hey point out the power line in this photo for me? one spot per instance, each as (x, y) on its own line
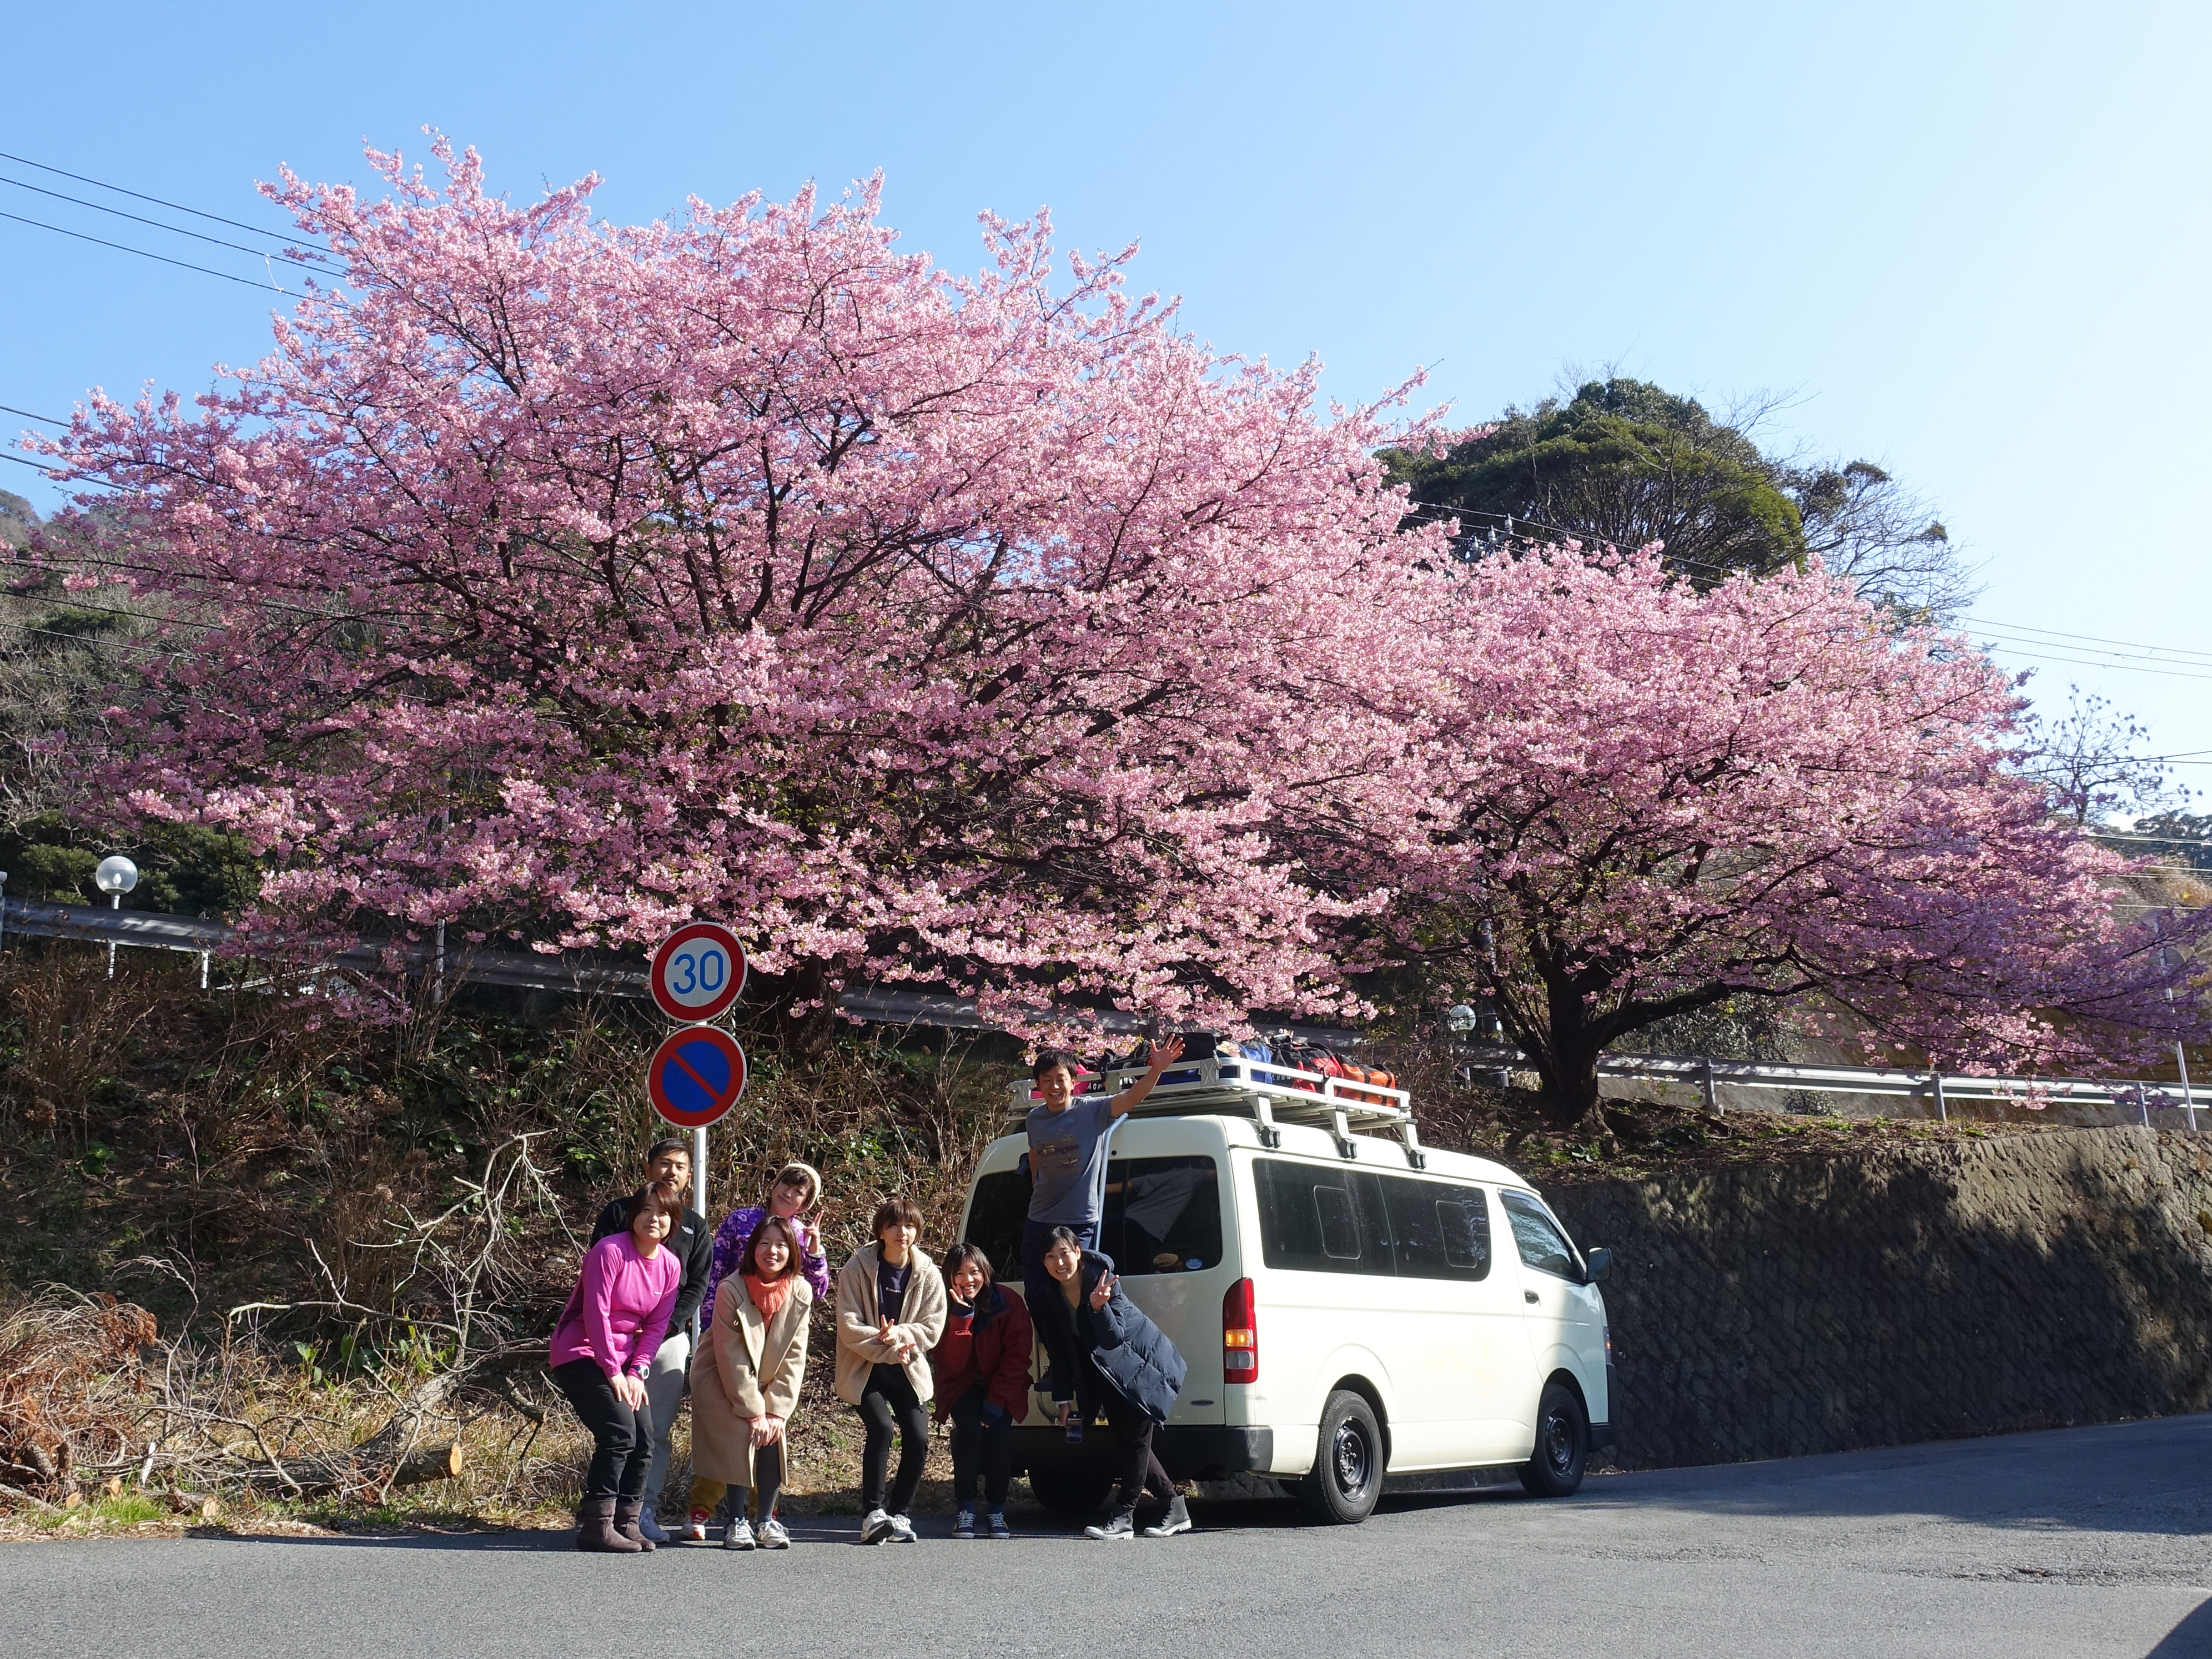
(124, 247)
(140, 219)
(2095, 639)
(2087, 662)
(137, 195)
(47, 420)
(89, 640)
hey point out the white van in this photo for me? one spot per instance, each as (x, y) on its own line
(1350, 1304)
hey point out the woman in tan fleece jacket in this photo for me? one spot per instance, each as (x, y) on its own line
(745, 1381)
(890, 1313)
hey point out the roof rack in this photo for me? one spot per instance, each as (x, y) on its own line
(1270, 1095)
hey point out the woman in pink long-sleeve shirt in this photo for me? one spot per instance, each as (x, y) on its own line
(602, 1350)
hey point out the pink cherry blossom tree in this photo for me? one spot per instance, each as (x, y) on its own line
(1631, 799)
(564, 581)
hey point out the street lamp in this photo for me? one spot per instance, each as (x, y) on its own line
(116, 876)
(2168, 959)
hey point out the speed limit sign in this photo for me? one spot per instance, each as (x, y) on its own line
(698, 972)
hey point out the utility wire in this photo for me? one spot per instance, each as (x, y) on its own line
(137, 195)
(140, 219)
(46, 420)
(124, 247)
(2095, 639)
(90, 640)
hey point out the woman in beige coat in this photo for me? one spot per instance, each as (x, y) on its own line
(890, 1313)
(745, 1381)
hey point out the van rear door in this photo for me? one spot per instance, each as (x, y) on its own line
(1162, 1226)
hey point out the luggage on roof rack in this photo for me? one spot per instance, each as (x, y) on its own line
(1269, 1093)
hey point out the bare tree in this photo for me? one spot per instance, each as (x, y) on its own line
(2089, 762)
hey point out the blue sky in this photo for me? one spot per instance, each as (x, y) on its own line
(1971, 240)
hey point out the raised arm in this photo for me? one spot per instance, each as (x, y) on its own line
(1163, 1055)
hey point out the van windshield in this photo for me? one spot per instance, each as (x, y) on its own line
(1163, 1216)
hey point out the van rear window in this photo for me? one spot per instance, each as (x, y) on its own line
(1163, 1215)
(1315, 1218)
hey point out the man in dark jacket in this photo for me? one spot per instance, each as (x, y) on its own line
(693, 1244)
(1124, 1366)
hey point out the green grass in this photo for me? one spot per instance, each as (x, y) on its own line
(127, 1511)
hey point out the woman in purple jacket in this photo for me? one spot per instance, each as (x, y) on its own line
(602, 1349)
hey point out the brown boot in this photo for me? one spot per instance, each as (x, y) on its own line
(595, 1528)
(626, 1513)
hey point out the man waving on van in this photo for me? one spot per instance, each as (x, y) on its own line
(1068, 1134)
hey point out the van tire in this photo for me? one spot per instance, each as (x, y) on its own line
(1563, 1443)
(1075, 1492)
(1347, 1479)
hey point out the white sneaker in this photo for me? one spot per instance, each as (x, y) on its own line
(739, 1535)
(901, 1530)
(877, 1527)
(773, 1536)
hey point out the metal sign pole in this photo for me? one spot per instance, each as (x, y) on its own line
(699, 1200)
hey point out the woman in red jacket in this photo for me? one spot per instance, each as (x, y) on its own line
(981, 1366)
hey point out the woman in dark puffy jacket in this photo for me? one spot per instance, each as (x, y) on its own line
(1125, 1367)
(982, 1368)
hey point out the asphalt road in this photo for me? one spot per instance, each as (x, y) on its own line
(2080, 1543)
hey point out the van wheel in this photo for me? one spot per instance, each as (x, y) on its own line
(1347, 1480)
(1075, 1492)
(1561, 1445)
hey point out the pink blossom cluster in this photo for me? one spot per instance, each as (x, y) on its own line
(1640, 799)
(572, 581)
(565, 582)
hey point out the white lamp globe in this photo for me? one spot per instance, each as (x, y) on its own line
(116, 874)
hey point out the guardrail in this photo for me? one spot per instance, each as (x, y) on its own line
(886, 1005)
(520, 970)
(2140, 1096)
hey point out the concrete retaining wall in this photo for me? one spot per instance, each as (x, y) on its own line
(2023, 1281)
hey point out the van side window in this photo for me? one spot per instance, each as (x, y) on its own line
(1439, 1231)
(1541, 1244)
(1320, 1220)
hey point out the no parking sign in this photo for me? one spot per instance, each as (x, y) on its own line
(695, 1076)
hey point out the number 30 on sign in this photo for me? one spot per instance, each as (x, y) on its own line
(698, 972)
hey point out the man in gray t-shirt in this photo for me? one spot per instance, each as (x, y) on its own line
(1068, 1135)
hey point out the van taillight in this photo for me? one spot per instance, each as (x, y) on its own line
(1240, 1335)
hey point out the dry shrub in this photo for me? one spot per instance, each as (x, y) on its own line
(69, 1386)
(73, 1030)
(877, 1120)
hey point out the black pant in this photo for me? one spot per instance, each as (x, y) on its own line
(621, 1439)
(767, 1479)
(981, 1447)
(1140, 1469)
(888, 1403)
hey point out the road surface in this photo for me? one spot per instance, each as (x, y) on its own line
(2074, 1543)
